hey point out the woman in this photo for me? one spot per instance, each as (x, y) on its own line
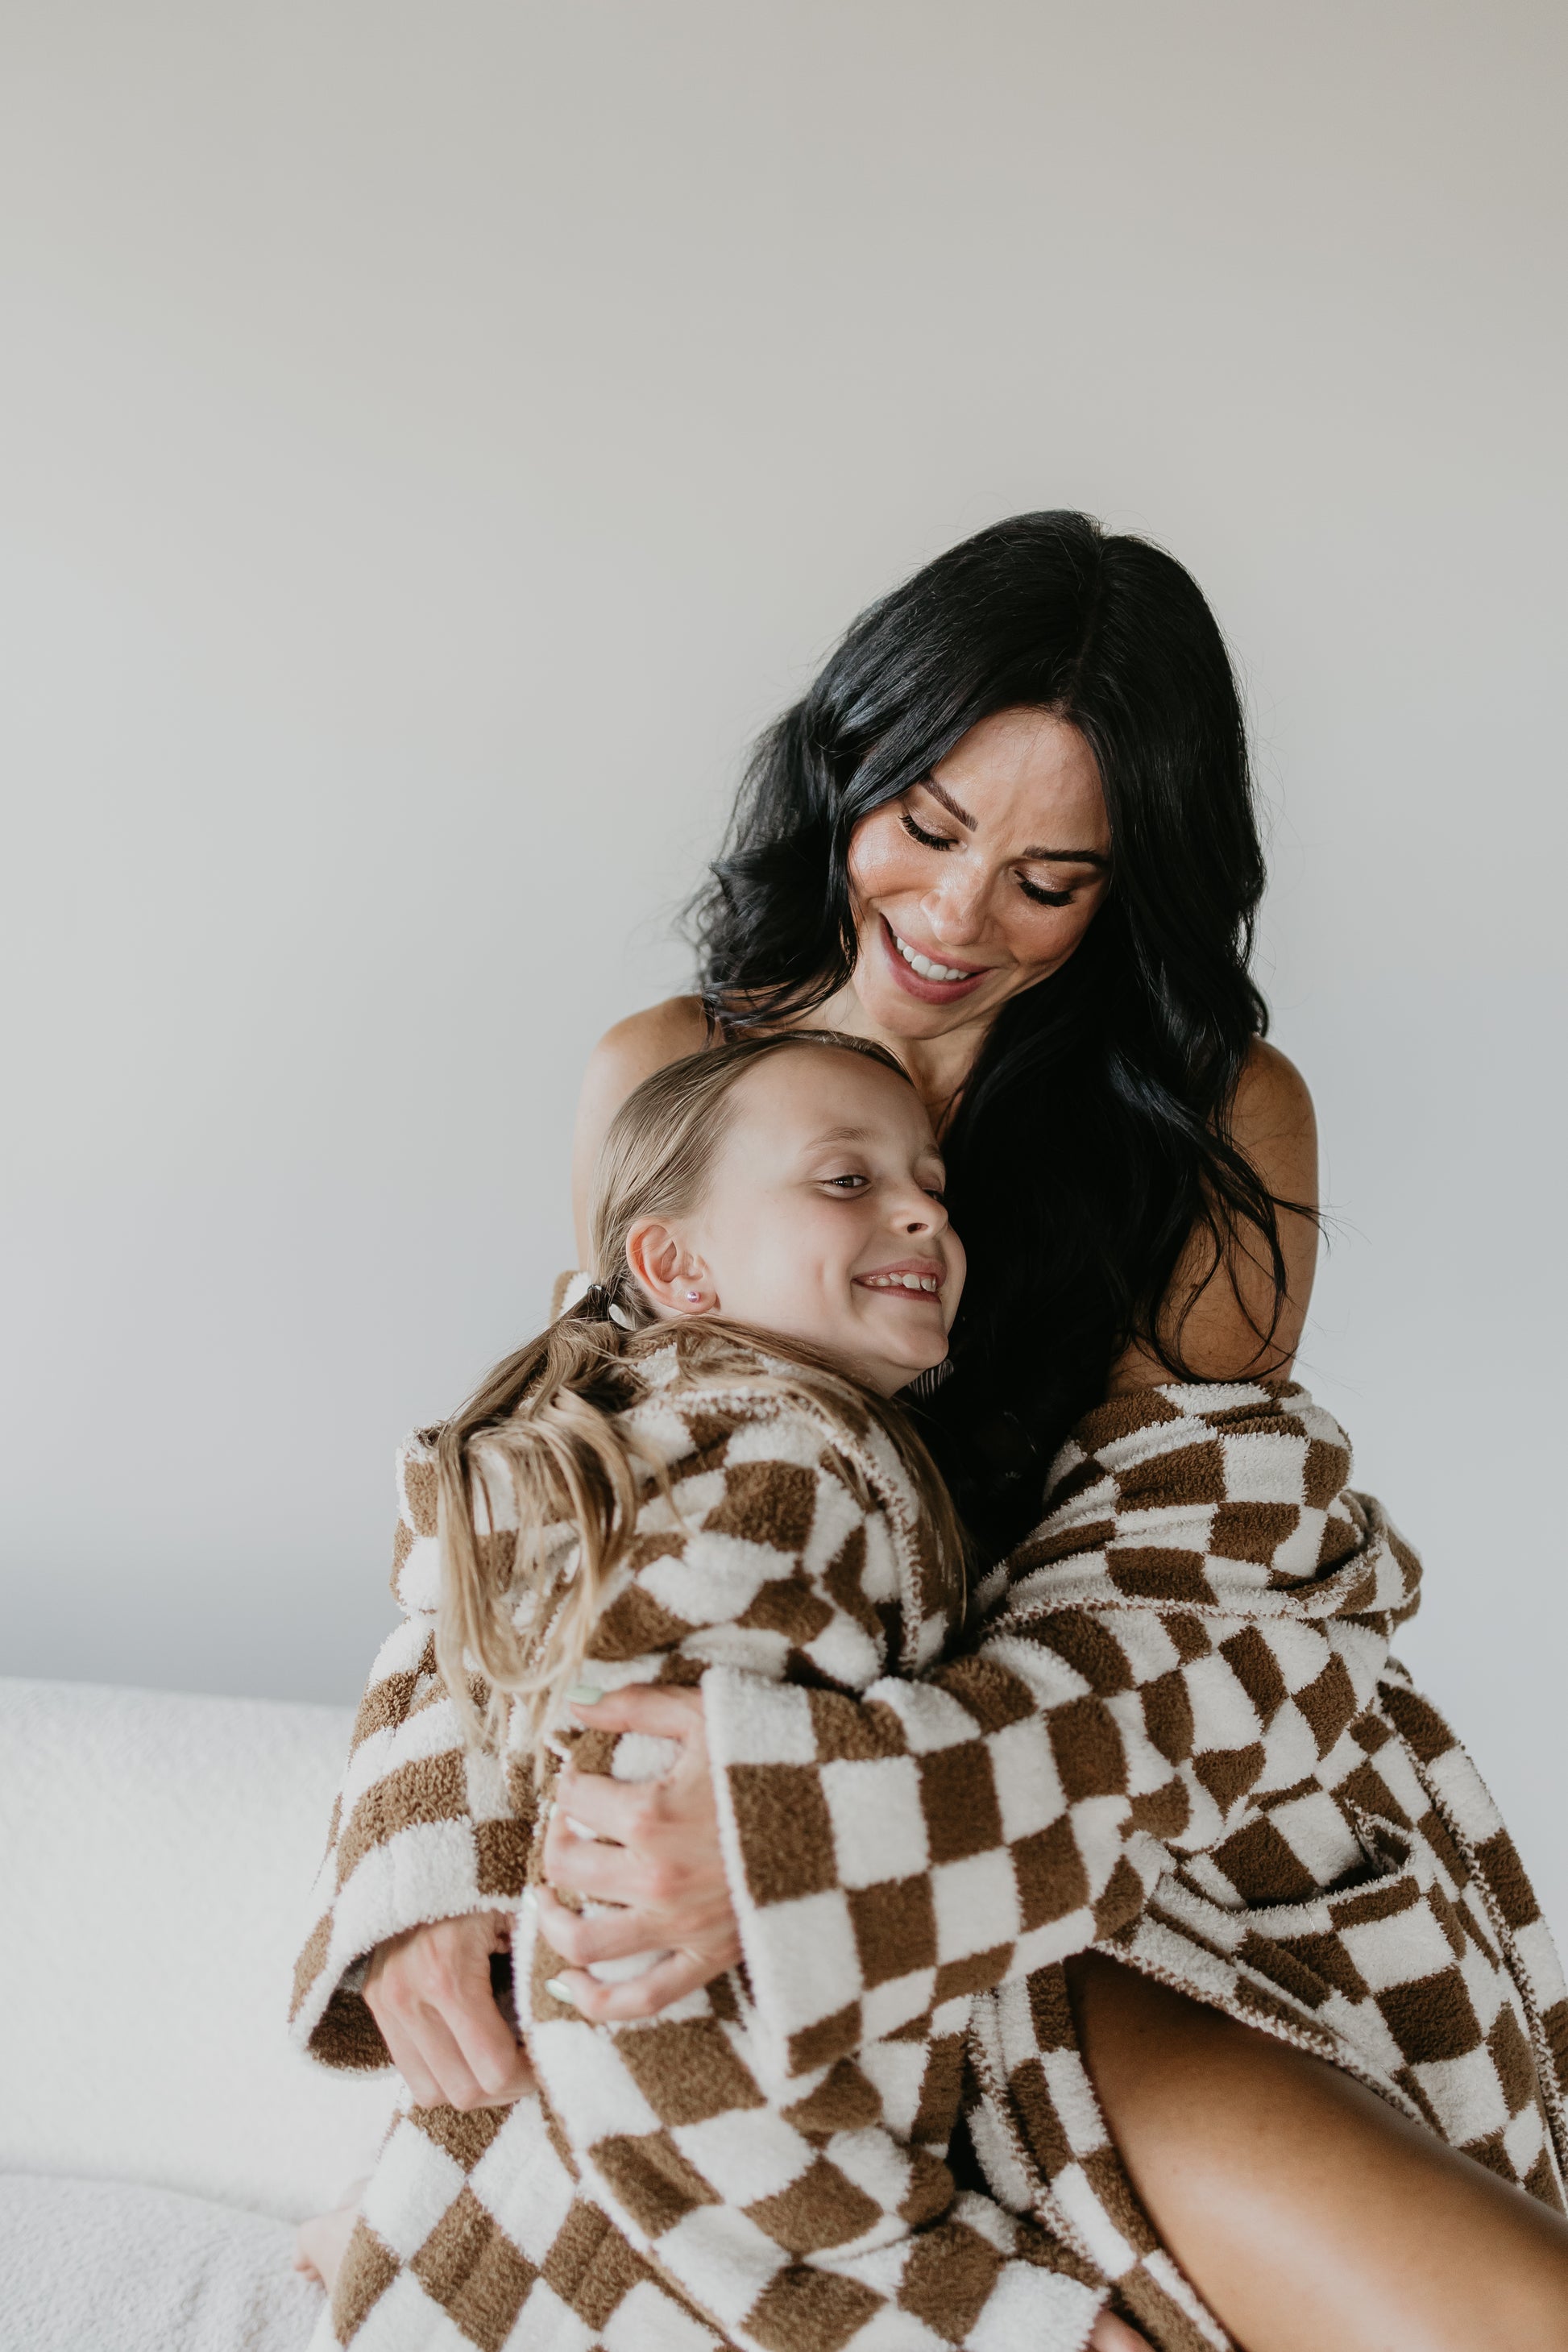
(1008, 833)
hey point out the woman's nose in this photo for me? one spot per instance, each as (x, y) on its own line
(955, 906)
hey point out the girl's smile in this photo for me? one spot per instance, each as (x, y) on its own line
(915, 1278)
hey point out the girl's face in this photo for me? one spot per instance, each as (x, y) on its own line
(823, 1220)
(980, 880)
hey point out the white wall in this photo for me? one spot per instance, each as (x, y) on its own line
(434, 438)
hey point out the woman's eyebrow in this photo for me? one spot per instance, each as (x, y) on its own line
(949, 804)
(1046, 856)
(1069, 857)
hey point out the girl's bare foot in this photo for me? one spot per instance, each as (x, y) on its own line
(1113, 2335)
(321, 2244)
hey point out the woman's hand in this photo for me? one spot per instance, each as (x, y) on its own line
(653, 1848)
(429, 1992)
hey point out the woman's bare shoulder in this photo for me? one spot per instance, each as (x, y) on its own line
(1273, 1122)
(1238, 1326)
(645, 1042)
(624, 1055)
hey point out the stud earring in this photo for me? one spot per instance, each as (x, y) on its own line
(695, 1295)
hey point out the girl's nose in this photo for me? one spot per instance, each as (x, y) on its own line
(920, 1215)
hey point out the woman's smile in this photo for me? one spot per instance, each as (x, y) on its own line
(921, 975)
(981, 879)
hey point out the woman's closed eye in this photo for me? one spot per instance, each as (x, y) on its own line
(1036, 892)
(918, 833)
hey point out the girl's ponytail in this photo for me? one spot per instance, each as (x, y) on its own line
(535, 1463)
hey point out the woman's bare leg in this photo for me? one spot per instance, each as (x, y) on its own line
(1304, 2209)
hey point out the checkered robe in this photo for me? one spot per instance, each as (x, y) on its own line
(1177, 1737)
(667, 2188)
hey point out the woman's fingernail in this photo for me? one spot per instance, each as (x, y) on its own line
(585, 1695)
(559, 1990)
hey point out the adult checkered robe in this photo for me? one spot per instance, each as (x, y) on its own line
(1176, 1734)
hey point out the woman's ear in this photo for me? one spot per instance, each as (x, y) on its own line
(674, 1276)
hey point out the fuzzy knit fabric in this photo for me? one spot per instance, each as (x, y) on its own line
(1176, 1735)
(666, 2187)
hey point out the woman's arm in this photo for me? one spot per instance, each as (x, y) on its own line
(664, 1851)
(775, 1553)
(1220, 1322)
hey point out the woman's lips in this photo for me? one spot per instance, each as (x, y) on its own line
(915, 983)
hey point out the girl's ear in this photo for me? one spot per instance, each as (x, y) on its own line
(674, 1276)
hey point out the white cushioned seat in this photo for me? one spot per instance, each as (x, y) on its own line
(158, 2135)
(113, 2266)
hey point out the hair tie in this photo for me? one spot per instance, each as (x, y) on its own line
(596, 1306)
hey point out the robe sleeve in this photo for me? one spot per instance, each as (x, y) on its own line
(422, 1828)
(816, 2208)
(1177, 1623)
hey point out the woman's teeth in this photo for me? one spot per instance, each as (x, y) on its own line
(923, 964)
(928, 1282)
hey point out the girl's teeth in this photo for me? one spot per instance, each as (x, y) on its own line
(927, 1282)
(923, 964)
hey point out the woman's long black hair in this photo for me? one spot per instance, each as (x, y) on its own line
(1093, 1134)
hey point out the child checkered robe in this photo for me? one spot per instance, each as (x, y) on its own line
(664, 2188)
(1179, 1736)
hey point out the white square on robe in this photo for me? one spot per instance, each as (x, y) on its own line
(878, 1820)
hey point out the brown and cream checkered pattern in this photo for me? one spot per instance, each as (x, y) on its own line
(815, 2211)
(1178, 1736)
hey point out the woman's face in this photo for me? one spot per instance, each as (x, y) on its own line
(980, 880)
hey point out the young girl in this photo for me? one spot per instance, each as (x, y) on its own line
(698, 1467)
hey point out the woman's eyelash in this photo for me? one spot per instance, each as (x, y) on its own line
(941, 841)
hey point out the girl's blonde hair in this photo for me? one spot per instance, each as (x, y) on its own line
(519, 1602)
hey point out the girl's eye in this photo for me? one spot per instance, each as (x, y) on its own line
(918, 833)
(1044, 897)
(844, 1183)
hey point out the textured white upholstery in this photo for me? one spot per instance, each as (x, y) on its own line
(110, 2266)
(156, 1851)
